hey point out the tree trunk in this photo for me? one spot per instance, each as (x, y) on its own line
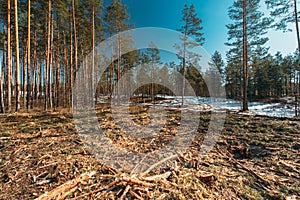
(298, 40)
(47, 70)
(28, 60)
(75, 44)
(24, 83)
(92, 87)
(50, 81)
(57, 75)
(9, 67)
(183, 70)
(17, 58)
(2, 104)
(66, 73)
(71, 67)
(245, 58)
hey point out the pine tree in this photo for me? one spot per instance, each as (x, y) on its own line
(29, 57)
(213, 74)
(286, 12)
(17, 70)
(219, 64)
(191, 28)
(246, 34)
(154, 59)
(9, 57)
(115, 18)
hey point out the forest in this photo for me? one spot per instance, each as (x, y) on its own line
(47, 46)
(44, 43)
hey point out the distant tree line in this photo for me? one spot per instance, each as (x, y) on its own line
(44, 43)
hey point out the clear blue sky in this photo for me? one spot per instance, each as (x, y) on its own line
(167, 14)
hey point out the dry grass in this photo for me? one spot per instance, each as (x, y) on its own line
(255, 158)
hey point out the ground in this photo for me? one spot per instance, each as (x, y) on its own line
(42, 156)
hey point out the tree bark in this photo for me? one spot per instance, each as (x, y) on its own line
(66, 73)
(17, 62)
(183, 70)
(47, 70)
(71, 67)
(92, 87)
(245, 58)
(57, 75)
(24, 83)
(50, 80)
(2, 104)
(9, 67)
(298, 40)
(75, 45)
(28, 60)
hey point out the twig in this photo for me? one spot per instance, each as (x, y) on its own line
(111, 184)
(24, 146)
(64, 195)
(243, 167)
(128, 180)
(136, 195)
(57, 192)
(2, 166)
(156, 178)
(125, 191)
(5, 138)
(133, 181)
(157, 164)
(289, 166)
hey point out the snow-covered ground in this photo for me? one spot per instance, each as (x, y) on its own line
(206, 103)
(257, 108)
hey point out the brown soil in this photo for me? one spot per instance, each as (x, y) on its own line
(255, 158)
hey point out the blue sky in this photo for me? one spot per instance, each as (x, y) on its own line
(167, 14)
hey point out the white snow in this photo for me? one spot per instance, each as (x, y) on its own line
(220, 104)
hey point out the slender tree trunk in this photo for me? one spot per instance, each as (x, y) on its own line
(9, 67)
(24, 84)
(112, 71)
(38, 70)
(152, 81)
(29, 82)
(245, 58)
(47, 70)
(50, 83)
(4, 70)
(298, 40)
(92, 87)
(71, 67)
(57, 75)
(75, 44)
(118, 69)
(183, 70)
(17, 62)
(2, 104)
(66, 73)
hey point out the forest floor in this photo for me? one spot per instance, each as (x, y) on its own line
(42, 156)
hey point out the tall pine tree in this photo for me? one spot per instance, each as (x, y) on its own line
(246, 33)
(286, 12)
(191, 28)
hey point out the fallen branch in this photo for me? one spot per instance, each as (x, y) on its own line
(127, 179)
(157, 164)
(244, 167)
(289, 166)
(125, 192)
(59, 192)
(156, 178)
(5, 138)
